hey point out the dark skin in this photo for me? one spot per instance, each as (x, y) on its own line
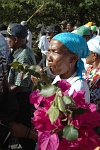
(60, 60)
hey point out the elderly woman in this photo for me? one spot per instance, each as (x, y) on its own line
(64, 59)
(93, 71)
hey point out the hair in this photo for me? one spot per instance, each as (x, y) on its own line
(71, 23)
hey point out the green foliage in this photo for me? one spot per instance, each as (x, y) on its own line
(53, 11)
(53, 113)
(70, 133)
(62, 105)
(48, 90)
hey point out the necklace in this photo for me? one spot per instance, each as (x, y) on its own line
(69, 79)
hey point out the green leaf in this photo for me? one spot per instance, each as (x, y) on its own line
(68, 100)
(53, 113)
(46, 78)
(78, 110)
(70, 133)
(35, 68)
(15, 64)
(48, 90)
(32, 72)
(61, 104)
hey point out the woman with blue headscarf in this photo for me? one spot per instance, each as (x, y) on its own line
(64, 59)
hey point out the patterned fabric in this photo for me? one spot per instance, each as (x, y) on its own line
(76, 44)
(4, 49)
(26, 56)
(92, 78)
(3, 70)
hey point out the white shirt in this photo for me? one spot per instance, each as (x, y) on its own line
(43, 44)
(76, 84)
(29, 39)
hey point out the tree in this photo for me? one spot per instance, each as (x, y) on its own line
(53, 11)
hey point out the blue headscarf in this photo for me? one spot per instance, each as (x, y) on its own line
(76, 44)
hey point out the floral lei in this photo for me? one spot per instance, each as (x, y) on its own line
(63, 122)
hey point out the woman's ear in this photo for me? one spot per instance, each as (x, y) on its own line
(74, 58)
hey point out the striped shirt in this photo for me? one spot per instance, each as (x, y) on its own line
(26, 56)
(3, 70)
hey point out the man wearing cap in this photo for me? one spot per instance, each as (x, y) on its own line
(83, 31)
(29, 35)
(64, 25)
(93, 31)
(21, 87)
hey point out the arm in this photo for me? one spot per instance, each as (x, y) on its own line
(14, 89)
(20, 130)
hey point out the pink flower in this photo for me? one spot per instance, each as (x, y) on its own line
(66, 145)
(42, 122)
(36, 98)
(48, 141)
(64, 85)
(85, 122)
(79, 99)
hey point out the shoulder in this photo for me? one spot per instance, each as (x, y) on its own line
(79, 84)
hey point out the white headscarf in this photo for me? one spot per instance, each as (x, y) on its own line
(94, 45)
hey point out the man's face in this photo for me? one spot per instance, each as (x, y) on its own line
(11, 41)
(69, 27)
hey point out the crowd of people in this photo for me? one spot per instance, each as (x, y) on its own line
(72, 52)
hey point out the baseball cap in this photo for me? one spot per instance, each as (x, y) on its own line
(89, 24)
(39, 26)
(16, 30)
(53, 28)
(63, 22)
(93, 28)
(23, 23)
(83, 31)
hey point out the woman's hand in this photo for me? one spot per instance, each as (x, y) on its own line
(35, 80)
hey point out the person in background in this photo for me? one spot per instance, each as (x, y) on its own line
(29, 35)
(89, 24)
(39, 28)
(70, 26)
(83, 31)
(77, 25)
(43, 46)
(63, 25)
(93, 31)
(92, 75)
(21, 87)
(4, 48)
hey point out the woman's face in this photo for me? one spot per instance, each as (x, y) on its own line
(59, 58)
(91, 58)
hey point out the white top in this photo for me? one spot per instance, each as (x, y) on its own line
(43, 44)
(29, 39)
(76, 84)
